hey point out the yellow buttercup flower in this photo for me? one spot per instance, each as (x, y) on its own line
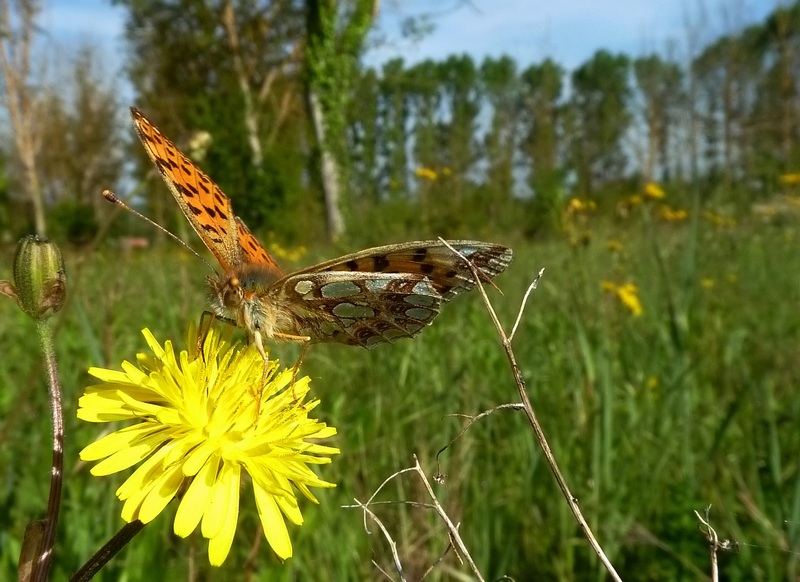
(200, 424)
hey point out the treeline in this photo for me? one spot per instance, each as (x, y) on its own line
(490, 137)
(452, 147)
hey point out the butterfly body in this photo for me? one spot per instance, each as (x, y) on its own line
(365, 298)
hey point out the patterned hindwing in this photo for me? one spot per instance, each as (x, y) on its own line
(205, 206)
(254, 253)
(449, 274)
(361, 309)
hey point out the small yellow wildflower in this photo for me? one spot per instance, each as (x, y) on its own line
(426, 174)
(446, 171)
(576, 205)
(627, 293)
(654, 191)
(289, 255)
(614, 246)
(707, 283)
(790, 179)
(200, 423)
(652, 382)
(673, 215)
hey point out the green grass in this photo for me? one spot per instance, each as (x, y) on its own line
(692, 403)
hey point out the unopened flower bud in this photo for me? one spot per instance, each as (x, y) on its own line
(40, 281)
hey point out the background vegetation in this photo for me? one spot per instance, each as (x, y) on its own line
(661, 350)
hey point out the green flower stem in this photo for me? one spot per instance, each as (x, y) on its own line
(44, 331)
(108, 551)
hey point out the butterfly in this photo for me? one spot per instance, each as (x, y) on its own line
(364, 299)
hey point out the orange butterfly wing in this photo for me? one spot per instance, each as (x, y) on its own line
(204, 204)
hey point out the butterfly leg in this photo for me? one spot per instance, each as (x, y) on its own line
(206, 321)
(259, 343)
(306, 341)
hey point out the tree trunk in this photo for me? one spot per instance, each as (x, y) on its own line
(15, 50)
(329, 171)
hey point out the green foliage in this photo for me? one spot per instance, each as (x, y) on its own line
(74, 222)
(651, 417)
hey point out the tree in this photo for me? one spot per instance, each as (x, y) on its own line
(660, 84)
(335, 39)
(229, 68)
(22, 101)
(542, 141)
(501, 89)
(599, 107)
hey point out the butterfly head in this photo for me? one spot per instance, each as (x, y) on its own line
(239, 297)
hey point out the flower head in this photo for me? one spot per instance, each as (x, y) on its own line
(654, 191)
(201, 422)
(627, 293)
(40, 281)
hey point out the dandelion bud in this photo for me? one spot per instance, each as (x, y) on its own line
(40, 281)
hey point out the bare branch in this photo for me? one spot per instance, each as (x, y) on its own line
(572, 501)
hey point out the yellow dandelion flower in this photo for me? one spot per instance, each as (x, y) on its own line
(790, 179)
(673, 215)
(654, 191)
(199, 424)
(425, 174)
(576, 205)
(627, 293)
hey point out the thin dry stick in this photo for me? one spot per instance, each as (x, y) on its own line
(392, 544)
(714, 543)
(455, 536)
(531, 287)
(472, 420)
(572, 501)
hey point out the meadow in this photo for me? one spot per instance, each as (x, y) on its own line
(658, 399)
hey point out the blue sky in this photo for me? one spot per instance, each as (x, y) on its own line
(569, 31)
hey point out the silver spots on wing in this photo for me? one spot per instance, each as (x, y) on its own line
(424, 287)
(377, 285)
(351, 310)
(421, 314)
(339, 289)
(304, 287)
(421, 300)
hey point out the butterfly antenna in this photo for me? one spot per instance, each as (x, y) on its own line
(114, 199)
